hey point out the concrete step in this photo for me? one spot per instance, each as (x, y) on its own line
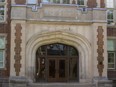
(61, 85)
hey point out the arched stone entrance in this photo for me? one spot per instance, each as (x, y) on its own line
(57, 63)
(75, 40)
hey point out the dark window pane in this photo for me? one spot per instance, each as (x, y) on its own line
(41, 68)
(73, 68)
(61, 68)
(56, 49)
(52, 68)
(73, 52)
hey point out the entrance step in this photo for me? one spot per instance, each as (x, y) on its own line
(61, 85)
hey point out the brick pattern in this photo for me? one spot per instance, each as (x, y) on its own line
(102, 3)
(20, 1)
(111, 31)
(91, 3)
(39, 1)
(100, 50)
(111, 74)
(17, 49)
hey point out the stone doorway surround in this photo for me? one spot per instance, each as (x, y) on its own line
(76, 40)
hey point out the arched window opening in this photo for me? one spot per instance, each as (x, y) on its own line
(57, 63)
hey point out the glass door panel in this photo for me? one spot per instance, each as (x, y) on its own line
(62, 69)
(52, 69)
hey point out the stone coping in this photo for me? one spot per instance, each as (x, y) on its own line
(18, 79)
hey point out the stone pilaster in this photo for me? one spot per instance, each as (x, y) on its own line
(100, 50)
(17, 49)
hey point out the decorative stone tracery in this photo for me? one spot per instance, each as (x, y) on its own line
(17, 49)
(100, 50)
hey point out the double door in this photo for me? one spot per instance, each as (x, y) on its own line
(57, 68)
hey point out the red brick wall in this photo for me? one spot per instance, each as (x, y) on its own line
(5, 29)
(20, 1)
(111, 31)
(91, 3)
(102, 3)
(112, 74)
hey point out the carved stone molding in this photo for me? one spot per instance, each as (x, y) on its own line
(17, 48)
(100, 50)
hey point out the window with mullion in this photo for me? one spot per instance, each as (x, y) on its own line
(109, 3)
(110, 16)
(2, 51)
(111, 60)
(2, 0)
(1, 58)
(31, 1)
(111, 53)
(2, 10)
(80, 2)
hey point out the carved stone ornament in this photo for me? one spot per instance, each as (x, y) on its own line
(100, 50)
(17, 48)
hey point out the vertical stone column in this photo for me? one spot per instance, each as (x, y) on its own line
(100, 50)
(17, 73)
(18, 48)
(100, 55)
(100, 43)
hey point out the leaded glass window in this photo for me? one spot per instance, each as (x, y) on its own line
(110, 16)
(32, 2)
(2, 10)
(109, 3)
(80, 2)
(2, 51)
(111, 53)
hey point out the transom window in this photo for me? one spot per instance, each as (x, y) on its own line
(57, 63)
(2, 10)
(79, 2)
(31, 1)
(111, 54)
(2, 51)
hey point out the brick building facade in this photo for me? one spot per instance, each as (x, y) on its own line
(58, 42)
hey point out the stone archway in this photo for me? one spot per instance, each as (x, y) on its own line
(75, 40)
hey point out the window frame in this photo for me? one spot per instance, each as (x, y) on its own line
(114, 60)
(111, 19)
(4, 51)
(81, 4)
(31, 3)
(5, 6)
(109, 1)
